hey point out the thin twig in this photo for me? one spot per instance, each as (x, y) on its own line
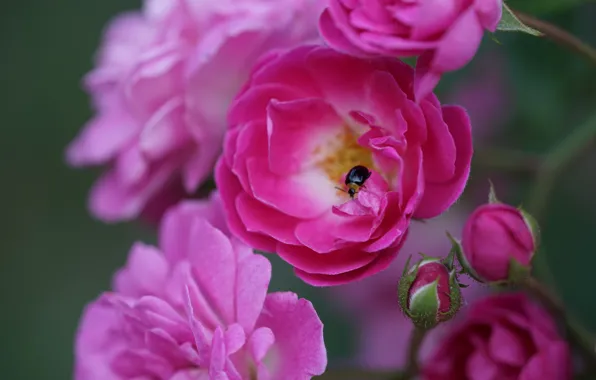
(559, 36)
(416, 340)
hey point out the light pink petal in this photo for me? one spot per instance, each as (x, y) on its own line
(235, 338)
(440, 196)
(229, 189)
(489, 12)
(165, 131)
(218, 356)
(433, 17)
(459, 44)
(145, 272)
(199, 166)
(175, 228)
(298, 333)
(316, 194)
(111, 200)
(252, 281)
(295, 128)
(214, 267)
(102, 138)
(131, 166)
(335, 37)
(260, 342)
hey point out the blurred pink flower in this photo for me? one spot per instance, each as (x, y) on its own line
(486, 93)
(197, 308)
(305, 118)
(446, 34)
(164, 79)
(504, 336)
(372, 304)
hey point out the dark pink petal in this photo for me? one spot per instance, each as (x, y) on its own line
(440, 196)
(480, 367)
(331, 263)
(252, 105)
(489, 12)
(439, 149)
(507, 347)
(380, 263)
(262, 219)
(230, 188)
(427, 77)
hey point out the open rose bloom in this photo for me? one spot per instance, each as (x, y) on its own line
(447, 33)
(161, 88)
(502, 337)
(197, 308)
(303, 120)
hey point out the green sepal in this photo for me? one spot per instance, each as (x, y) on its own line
(532, 223)
(424, 308)
(517, 272)
(510, 23)
(492, 194)
(459, 253)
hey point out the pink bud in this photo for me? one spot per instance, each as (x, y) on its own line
(495, 236)
(429, 293)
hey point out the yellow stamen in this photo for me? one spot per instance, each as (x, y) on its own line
(342, 154)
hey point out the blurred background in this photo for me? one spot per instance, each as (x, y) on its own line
(525, 94)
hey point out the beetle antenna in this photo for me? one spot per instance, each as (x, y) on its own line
(340, 189)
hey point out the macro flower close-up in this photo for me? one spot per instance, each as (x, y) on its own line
(163, 80)
(304, 120)
(298, 189)
(446, 33)
(197, 308)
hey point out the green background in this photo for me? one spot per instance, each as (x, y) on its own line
(54, 257)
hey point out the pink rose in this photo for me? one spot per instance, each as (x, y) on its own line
(447, 33)
(372, 304)
(197, 308)
(305, 118)
(504, 336)
(494, 235)
(164, 79)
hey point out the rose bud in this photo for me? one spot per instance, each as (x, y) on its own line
(498, 244)
(429, 292)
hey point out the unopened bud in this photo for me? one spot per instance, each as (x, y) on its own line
(429, 292)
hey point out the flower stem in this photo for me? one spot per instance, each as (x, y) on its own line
(559, 36)
(416, 339)
(576, 333)
(559, 159)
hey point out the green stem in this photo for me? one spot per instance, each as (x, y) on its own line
(559, 36)
(559, 159)
(576, 333)
(416, 340)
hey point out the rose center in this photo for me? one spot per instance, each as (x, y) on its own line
(342, 153)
